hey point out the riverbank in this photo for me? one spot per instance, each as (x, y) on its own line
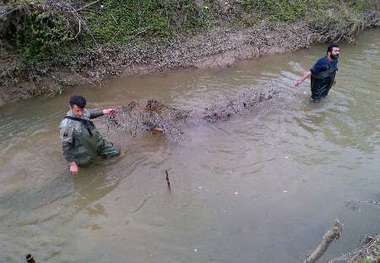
(369, 252)
(218, 46)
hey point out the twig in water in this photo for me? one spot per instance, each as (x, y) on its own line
(30, 259)
(168, 180)
(332, 234)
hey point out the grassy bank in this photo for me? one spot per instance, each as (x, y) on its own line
(41, 36)
(34, 30)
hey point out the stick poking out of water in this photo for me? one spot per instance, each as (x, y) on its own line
(30, 259)
(331, 235)
(168, 180)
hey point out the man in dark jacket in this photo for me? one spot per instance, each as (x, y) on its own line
(322, 74)
(81, 141)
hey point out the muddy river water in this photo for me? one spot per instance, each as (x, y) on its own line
(261, 187)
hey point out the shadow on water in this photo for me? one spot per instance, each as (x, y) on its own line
(73, 191)
(36, 211)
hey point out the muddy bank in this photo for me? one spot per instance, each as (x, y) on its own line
(219, 48)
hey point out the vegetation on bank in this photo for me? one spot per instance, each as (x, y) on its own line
(46, 31)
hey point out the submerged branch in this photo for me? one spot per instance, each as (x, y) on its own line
(331, 235)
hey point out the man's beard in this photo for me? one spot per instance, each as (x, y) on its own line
(334, 57)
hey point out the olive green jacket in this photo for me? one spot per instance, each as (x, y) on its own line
(81, 141)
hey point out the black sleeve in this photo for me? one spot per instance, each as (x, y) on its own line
(95, 113)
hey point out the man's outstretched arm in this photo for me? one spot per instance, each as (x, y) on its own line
(304, 77)
(97, 113)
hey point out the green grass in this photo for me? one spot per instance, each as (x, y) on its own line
(40, 33)
(120, 21)
(278, 11)
(40, 37)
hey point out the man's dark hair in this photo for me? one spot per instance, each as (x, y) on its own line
(78, 100)
(330, 47)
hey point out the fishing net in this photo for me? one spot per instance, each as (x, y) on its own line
(153, 116)
(135, 119)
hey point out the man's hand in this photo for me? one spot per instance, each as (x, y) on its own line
(110, 111)
(74, 168)
(297, 82)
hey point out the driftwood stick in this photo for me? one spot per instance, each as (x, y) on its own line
(331, 235)
(88, 5)
(30, 259)
(168, 180)
(79, 29)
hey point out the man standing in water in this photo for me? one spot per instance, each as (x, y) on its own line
(81, 141)
(322, 74)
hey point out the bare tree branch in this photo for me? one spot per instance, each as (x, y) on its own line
(331, 235)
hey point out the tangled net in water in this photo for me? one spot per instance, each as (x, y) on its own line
(244, 102)
(136, 119)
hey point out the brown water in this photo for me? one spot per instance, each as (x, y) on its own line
(262, 187)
